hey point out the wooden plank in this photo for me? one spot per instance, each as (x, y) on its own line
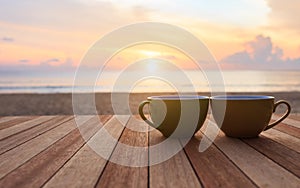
(287, 158)
(40, 168)
(18, 139)
(288, 121)
(8, 118)
(176, 171)
(85, 167)
(14, 158)
(116, 175)
(291, 130)
(23, 126)
(14, 121)
(260, 169)
(283, 138)
(214, 168)
(295, 116)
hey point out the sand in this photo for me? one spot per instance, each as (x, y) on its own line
(61, 104)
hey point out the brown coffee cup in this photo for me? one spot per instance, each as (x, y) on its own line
(176, 116)
(245, 116)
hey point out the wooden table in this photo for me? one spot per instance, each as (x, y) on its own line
(49, 151)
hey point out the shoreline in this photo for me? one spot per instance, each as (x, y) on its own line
(61, 103)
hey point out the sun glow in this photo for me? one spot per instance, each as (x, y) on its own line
(149, 53)
(152, 66)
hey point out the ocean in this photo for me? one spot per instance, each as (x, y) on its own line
(234, 81)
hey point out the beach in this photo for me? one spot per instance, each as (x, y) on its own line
(61, 103)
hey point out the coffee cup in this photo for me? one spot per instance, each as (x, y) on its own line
(245, 116)
(176, 116)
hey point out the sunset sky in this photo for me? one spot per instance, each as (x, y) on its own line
(241, 34)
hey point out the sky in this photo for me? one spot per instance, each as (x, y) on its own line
(241, 34)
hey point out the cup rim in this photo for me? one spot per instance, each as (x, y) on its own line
(241, 97)
(177, 97)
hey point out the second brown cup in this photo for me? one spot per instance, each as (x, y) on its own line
(245, 116)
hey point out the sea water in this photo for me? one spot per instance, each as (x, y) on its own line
(232, 81)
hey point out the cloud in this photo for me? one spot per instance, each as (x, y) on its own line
(260, 54)
(24, 61)
(57, 64)
(59, 28)
(7, 39)
(69, 14)
(261, 50)
(52, 65)
(50, 62)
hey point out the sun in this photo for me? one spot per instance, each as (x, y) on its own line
(152, 66)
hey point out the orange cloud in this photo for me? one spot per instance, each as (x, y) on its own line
(260, 53)
(69, 32)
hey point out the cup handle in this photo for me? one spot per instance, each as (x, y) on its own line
(141, 107)
(283, 117)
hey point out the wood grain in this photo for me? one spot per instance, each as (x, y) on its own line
(45, 166)
(84, 169)
(23, 126)
(174, 172)
(7, 118)
(19, 155)
(15, 121)
(214, 168)
(283, 138)
(18, 139)
(261, 170)
(295, 116)
(291, 130)
(116, 175)
(285, 157)
(288, 121)
(51, 152)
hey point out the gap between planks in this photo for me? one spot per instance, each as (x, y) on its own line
(15, 121)
(116, 174)
(4, 133)
(213, 167)
(24, 136)
(86, 166)
(21, 154)
(46, 163)
(177, 171)
(259, 168)
(289, 121)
